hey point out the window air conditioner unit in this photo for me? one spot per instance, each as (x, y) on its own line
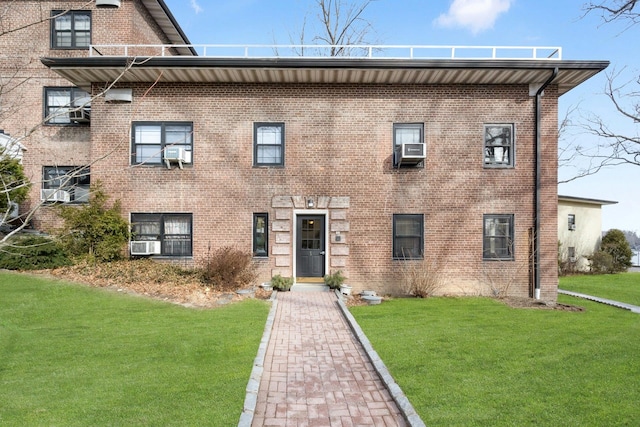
(108, 3)
(82, 115)
(572, 227)
(145, 247)
(54, 195)
(176, 155)
(410, 153)
(573, 259)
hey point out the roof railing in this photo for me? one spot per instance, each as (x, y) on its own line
(260, 51)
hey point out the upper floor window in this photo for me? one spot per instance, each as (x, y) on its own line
(70, 30)
(260, 235)
(408, 144)
(268, 144)
(408, 236)
(66, 105)
(571, 219)
(497, 240)
(66, 184)
(498, 145)
(172, 231)
(152, 143)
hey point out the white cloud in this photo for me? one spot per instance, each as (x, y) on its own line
(195, 6)
(475, 15)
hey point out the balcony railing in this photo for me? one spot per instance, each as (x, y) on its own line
(259, 51)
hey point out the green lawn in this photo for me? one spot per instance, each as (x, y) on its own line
(477, 362)
(77, 356)
(624, 287)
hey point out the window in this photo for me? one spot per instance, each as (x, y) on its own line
(260, 235)
(173, 231)
(66, 105)
(408, 236)
(268, 144)
(408, 134)
(571, 252)
(498, 145)
(149, 140)
(70, 30)
(73, 181)
(571, 219)
(498, 237)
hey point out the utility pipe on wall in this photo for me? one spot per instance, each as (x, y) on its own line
(536, 229)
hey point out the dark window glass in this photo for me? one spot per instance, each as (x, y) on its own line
(149, 140)
(71, 30)
(498, 237)
(66, 105)
(66, 184)
(268, 144)
(260, 235)
(498, 145)
(408, 236)
(174, 231)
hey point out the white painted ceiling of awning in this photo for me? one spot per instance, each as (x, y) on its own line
(566, 78)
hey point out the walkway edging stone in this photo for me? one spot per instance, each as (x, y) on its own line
(251, 397)
(408, 411)
(617, 304)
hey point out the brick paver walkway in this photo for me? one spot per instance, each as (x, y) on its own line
(316, 373)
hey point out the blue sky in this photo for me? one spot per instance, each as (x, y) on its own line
(465, 22)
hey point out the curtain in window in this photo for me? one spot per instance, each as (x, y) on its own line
(177, 235)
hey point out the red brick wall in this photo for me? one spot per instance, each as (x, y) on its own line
(339, 144)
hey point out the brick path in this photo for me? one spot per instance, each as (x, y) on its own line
(316, 373)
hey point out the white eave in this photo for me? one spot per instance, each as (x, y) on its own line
(583, 200)
(160, 12)
(181, 69)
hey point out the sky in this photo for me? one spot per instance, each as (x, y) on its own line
(558, 23)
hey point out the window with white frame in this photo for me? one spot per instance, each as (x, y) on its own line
(66, 105)
(571, 220)
(260, 235)
(498, 237)
(268, 144)
(499, 145)
(71, 29)
(172, 230)
(149, 140)
(66, 184)
(408, 144)
(408, 236)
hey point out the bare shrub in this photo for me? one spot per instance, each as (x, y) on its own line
(228, 267)
(421, 278)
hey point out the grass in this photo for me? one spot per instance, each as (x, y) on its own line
(623, 287)
(76, 356)
(477, 362)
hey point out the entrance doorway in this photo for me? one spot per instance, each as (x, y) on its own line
(310, 246)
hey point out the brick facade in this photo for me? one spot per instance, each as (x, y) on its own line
(338, 152)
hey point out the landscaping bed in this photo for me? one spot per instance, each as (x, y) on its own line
(166, 282)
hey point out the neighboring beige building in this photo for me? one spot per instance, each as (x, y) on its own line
(579, 228)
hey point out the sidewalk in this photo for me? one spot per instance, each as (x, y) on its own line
(618, 304)
(316, 373)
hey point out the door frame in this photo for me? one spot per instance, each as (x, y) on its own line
(294, 242)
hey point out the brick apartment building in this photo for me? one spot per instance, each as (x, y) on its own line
(314, 164)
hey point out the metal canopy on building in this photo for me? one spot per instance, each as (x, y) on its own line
(188, 69)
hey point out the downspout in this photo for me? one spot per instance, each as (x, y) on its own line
(536, 228)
